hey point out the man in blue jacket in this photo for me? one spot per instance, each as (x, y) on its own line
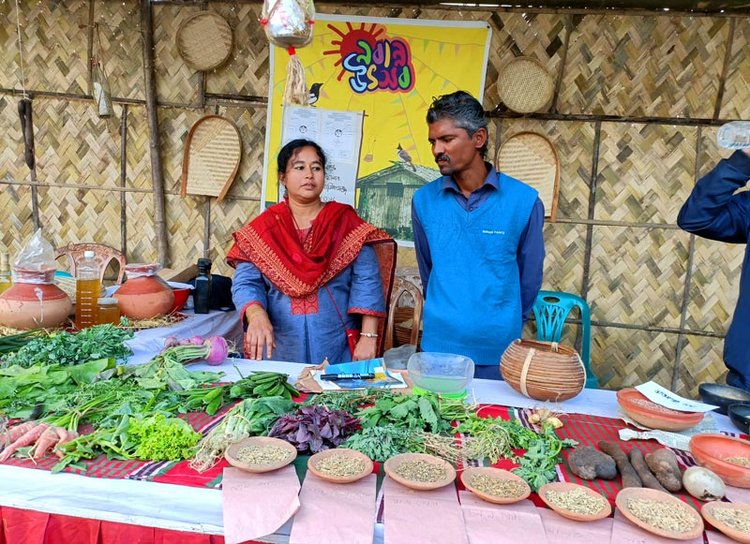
(478, 240)
(714, 211)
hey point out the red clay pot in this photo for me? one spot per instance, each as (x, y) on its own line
(34, 305)
(144, 295)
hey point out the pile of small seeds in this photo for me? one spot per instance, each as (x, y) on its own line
(653, 406)
(742, 461)
(262, 455)
(577, 501)
(497, 487)
(739, 520)
(340, 464)
(662, 515)
(421, 471)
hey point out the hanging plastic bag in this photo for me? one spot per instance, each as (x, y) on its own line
(288, 23)
(35, 263)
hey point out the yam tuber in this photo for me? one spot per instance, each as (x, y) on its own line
(629, 475)
(663, 463)
(589, 463)
(640, 466)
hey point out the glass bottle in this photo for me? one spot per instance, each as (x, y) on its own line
(107, 311)
(5, 279)
(202, 292)
(102, 94)
(88, 288)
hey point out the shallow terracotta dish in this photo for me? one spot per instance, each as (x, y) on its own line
(497, 474)
(393, 464)
(659, 496)
(641, 410)
(709, 511)
(260, 441)
(712, 450)
(567, 487)
(313, 461)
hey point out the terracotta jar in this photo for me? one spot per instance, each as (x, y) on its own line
(144, 295)
(34, 301)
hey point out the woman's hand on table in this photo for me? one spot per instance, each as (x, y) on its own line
(365, 349)
(259, 334)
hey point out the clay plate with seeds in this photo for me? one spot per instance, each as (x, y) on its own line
(659, 513)
(641, 410)
(420, 471)
(495, 485)
(731, 518)
(340, 465)
(574, 501)
(260, 454)
(728, 457)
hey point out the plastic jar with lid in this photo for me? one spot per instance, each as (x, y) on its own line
(107, 311)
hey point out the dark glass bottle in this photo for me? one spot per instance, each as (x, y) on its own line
(202, 292)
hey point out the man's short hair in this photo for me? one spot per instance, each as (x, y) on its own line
(463, 109)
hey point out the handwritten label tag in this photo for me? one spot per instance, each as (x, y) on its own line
(664, 397)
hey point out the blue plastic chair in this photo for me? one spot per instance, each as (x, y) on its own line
(551, 308)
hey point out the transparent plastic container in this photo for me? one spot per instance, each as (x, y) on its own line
(734, 135)
(107, 311)
(88, 289)
(443, 373)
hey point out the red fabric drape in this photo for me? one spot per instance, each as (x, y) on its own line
(19, 526)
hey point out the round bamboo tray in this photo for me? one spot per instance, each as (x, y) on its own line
(545, 371)
(525, 85)
(204, 40)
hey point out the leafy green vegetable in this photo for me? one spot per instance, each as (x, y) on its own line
(381, 443)
(165, 373)
(64, 348)
(406, 412)
(160, 438)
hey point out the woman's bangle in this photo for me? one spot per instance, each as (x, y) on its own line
(369, 334)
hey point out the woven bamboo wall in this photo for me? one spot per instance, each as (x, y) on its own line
(622, 181)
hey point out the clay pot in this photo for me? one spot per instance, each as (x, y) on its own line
(649, 414)
(543, 370)
(34, 305)
(144, 295)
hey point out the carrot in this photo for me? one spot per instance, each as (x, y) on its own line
(14, 433)
(65, 436)
(26, 439)
(46, 441)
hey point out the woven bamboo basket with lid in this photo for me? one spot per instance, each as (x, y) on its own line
(545, 371)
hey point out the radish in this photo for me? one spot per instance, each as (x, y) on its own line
(214, 350)
(219, 350)
(171, 341)
(197, 341)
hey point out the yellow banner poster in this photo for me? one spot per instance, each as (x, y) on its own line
(389, 70)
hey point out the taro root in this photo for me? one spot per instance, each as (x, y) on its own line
(589, 464)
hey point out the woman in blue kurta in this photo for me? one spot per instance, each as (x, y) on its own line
(307, 271)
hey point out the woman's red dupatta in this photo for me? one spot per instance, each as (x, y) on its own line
(271, 243)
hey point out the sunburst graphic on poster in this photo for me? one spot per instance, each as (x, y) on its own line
(388, 70)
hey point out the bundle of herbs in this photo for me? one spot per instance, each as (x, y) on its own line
(315, 428)
(64, 348)
(250, 417)
(495, 438)
(420, 412)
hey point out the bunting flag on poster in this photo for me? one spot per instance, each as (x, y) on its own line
(388, 71)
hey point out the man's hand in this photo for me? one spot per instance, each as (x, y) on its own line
(259, 334)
